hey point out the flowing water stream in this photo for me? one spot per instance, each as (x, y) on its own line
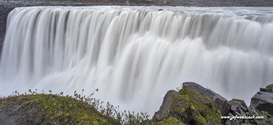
(134, 55)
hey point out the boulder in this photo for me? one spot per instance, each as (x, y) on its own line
(263, 100)
(219, 102)
(253, 111)
(239, 108)
(192, 108)
(268, 88)
(166, 104)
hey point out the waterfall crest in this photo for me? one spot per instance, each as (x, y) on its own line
(135, 54)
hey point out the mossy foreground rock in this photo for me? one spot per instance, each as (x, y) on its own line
(263, 100)
(167, 102)
(190, 107)
(219, 102)
(49, 109)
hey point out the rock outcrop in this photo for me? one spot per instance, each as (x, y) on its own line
(261, 105)
(194, 109)
(239, 108)
(196, 105)
(167, 102)
(189, 107)
(263, 100)
(219, 102)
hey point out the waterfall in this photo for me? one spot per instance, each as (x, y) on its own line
(134, 55)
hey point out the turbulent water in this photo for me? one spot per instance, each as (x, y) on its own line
(134, 55)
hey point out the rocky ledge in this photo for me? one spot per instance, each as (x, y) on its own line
(196, 105)
(191, 105)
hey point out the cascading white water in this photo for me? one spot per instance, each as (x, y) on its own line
(134, 55)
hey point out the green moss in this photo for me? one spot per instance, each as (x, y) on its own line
(53, 109)
(201, 120)
(218, 111)
(269, 89)
(192, 107)
(200, 108)
(234, 101)
(237, 100)
(180, 104)
(170, 121)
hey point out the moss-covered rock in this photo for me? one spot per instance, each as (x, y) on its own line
(50, 109)
(219, 102)
(191, 107)
(263, 100)
(166, 104)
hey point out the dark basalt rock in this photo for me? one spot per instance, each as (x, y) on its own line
(196, 105)
(238, 108)
(253, 111)
(192, 108)
(167, 101)
(219, 102)
(187, 106)
(268, 88)
(263, 100)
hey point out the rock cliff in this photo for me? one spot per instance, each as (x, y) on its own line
(196, 105)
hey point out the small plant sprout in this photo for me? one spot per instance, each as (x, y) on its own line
(29, 90)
